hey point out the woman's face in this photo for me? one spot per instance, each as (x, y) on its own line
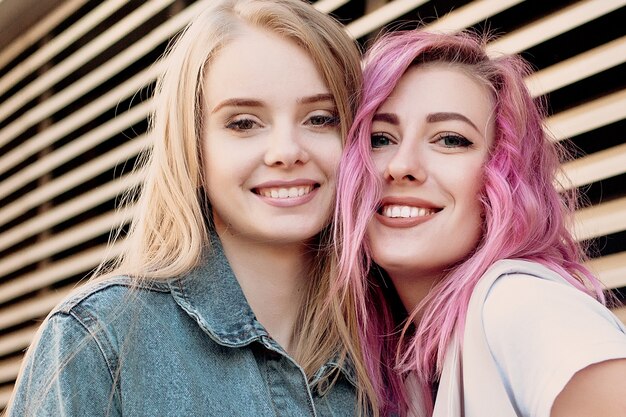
(271, 141)
(430, 140)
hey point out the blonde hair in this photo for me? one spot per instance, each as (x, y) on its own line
(170, 231)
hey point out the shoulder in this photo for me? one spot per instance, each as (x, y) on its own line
(519, 291)
(98, 315)
(105, 304)
(526, 290)
(532, 298)
(106, 293)
(548, 322)
(541, 331)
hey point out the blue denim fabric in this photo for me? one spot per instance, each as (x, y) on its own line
(186, 347)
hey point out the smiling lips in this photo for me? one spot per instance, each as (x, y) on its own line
(287, 193)
(403, 212)
(395, 211)
(284, 192)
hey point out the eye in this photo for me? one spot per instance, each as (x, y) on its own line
(453, 140)
(242, 124)
(323, 120)
(380, 140)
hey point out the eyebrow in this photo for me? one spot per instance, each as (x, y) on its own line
(238, 102)
(248, 102)
(316, 98)
(430, 118)
(445, 116)
(386, 117)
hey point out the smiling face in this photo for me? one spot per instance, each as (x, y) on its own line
(271, 141)
(430, 140)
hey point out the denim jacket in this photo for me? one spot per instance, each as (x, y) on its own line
(190, 346)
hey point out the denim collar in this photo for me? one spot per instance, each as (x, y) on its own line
(212, 296)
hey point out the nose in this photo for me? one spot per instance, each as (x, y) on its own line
(284, 148)
(405, 166)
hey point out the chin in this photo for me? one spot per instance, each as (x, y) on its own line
(395, 263)
(287, 235)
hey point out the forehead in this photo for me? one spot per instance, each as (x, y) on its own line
(262, 61)
(440, 88)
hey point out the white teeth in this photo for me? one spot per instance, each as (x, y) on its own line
(290, 192)
(406, 211)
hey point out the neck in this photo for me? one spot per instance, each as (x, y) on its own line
(412, 289)
(272, 278)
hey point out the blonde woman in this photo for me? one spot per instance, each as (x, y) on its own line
(216, 309)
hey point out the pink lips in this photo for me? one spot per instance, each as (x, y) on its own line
(290, 193)
(418, 205)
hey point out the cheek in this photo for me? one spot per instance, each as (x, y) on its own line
(474, 220)
(212, 164)
(222, 169)
(327, 156)
(472, 212)
(229, 159)
(380, 160)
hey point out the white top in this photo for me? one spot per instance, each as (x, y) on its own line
(528, 331)
(541, 333)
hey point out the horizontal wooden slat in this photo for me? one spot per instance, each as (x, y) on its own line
(381, 17)
(82, 56)
(75, 148)
(73, 178)
(5, 395)
(588, 116)
(17, 341)
(72, 208)
(103, 73)
(611, 269)
(328, 6)
(107, 101)
(595, 167)
(553, 25)
(54, 272)
(31, 309)
(601, 219)
(578, 67)
(57, 131)
(39, 30)
(9, 369)
(470, 14)
(59, 43)
(78, 234)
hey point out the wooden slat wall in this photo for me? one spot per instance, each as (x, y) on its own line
(67, 144)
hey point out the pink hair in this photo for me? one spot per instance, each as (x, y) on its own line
(524, 215)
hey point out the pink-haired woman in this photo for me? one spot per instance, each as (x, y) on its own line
(450, 223)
